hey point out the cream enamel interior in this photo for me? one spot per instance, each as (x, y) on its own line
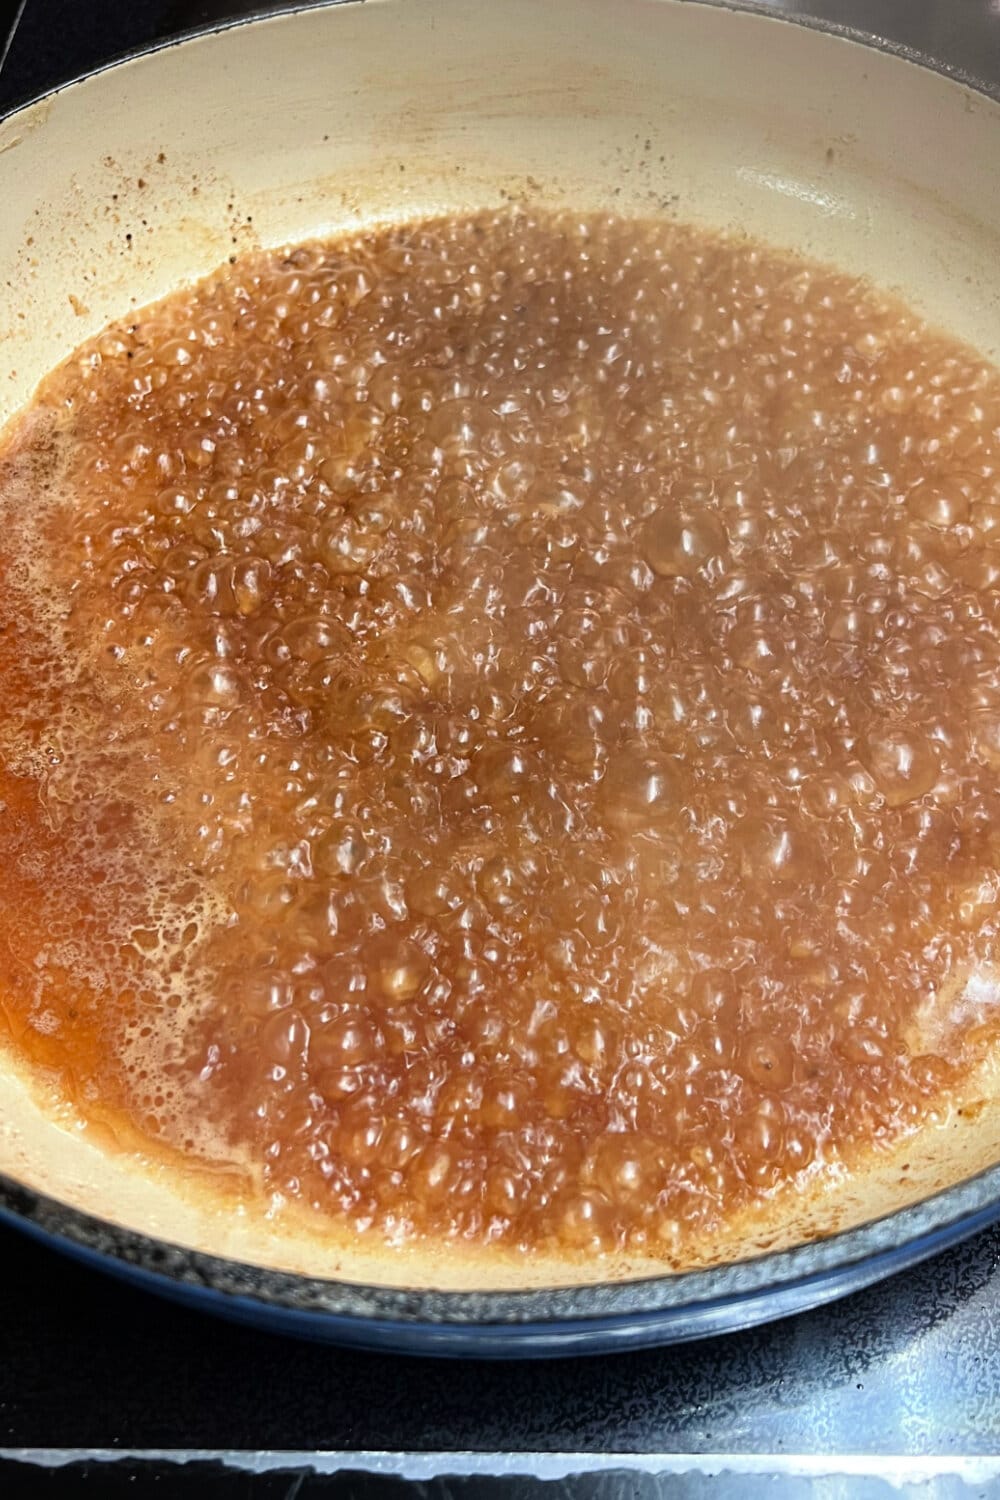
(121, 187)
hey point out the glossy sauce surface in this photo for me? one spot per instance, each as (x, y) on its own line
(500, 726)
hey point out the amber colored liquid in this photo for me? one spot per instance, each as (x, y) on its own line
(501, 722)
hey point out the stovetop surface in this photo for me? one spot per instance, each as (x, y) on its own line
(908, 1367)
(911, 1367)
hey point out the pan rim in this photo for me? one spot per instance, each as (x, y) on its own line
(914, 56)
(849, 1259)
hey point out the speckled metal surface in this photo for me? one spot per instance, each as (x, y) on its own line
(444, 1476)
(684, 1307)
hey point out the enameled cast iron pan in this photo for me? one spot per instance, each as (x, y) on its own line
(150, 173)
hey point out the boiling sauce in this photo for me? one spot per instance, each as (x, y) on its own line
(500, 726)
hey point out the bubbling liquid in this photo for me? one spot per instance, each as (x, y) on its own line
(500, 722)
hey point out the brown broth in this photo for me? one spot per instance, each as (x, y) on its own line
(500, 726)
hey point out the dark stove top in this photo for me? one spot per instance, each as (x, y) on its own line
(906, 1375)
(911, 1367)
